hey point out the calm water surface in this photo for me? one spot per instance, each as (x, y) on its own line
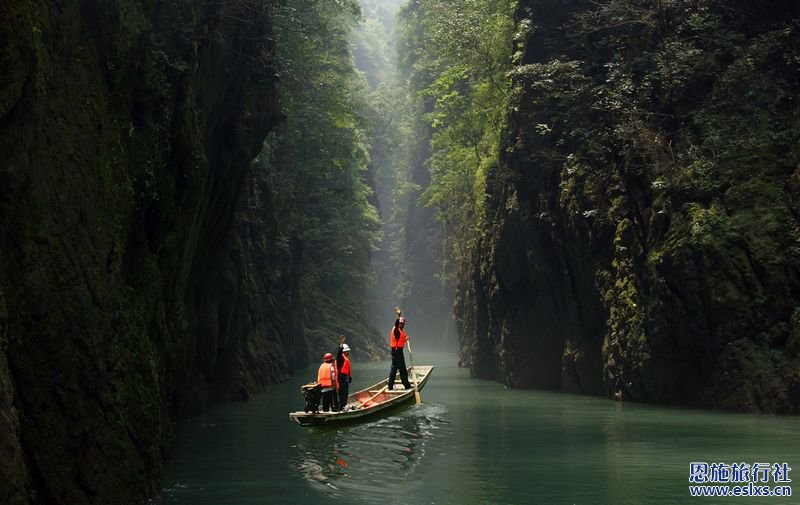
(470, 442)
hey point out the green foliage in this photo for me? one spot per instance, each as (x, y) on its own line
(317, 162)
(457, 55)
(670, 130)
(372, 52)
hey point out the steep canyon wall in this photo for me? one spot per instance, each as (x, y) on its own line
(126, 131)
(643, 238)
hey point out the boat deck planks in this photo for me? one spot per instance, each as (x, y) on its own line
(368, 401)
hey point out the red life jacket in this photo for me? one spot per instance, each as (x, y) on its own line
(324, 375)
(397, 343)
(345, 366)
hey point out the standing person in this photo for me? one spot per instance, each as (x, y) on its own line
(397, 340)
(328, 380)
(343, 365)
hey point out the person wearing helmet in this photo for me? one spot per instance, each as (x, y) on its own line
(328, 381)
(343, 365)
(397, 340)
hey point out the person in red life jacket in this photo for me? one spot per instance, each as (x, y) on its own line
(328, 380)
(397, 340)
(343, 365)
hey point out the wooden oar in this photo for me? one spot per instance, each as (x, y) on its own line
(372, 397)
(414, 372)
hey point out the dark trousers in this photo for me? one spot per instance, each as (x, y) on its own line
(398, 365)
(329, 401)
(344, 387)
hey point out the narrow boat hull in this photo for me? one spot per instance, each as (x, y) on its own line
(366, 403)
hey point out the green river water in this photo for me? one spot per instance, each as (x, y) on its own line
(469, 442)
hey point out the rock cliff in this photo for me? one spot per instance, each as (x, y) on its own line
(643, 238)
(126, 131)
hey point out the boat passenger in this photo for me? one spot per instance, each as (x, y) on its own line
(328, 381)
(345, 378)
(397, 340)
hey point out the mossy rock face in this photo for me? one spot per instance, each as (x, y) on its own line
(14, 477)
(657, 211)
(121, 160)
(15, 53)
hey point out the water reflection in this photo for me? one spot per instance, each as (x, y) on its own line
(487, 446)
(376, 459)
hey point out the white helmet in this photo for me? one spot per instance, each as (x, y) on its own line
(345, 348)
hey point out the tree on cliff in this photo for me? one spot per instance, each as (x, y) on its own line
(316, 165)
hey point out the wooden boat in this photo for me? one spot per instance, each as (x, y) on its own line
(367, 402)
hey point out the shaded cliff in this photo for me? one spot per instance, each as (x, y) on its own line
(642, 238)
(126, 129)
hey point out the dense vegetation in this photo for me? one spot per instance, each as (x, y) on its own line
(451, 63)
(408, 260)
(388, 136)
(457, 56)
(313, 172)
(625, 206)
(622, 127)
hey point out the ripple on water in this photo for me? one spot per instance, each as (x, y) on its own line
(377, 458)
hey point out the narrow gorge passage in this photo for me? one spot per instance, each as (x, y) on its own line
(588, 212)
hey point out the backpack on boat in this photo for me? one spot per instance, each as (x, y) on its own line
(312, 394)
